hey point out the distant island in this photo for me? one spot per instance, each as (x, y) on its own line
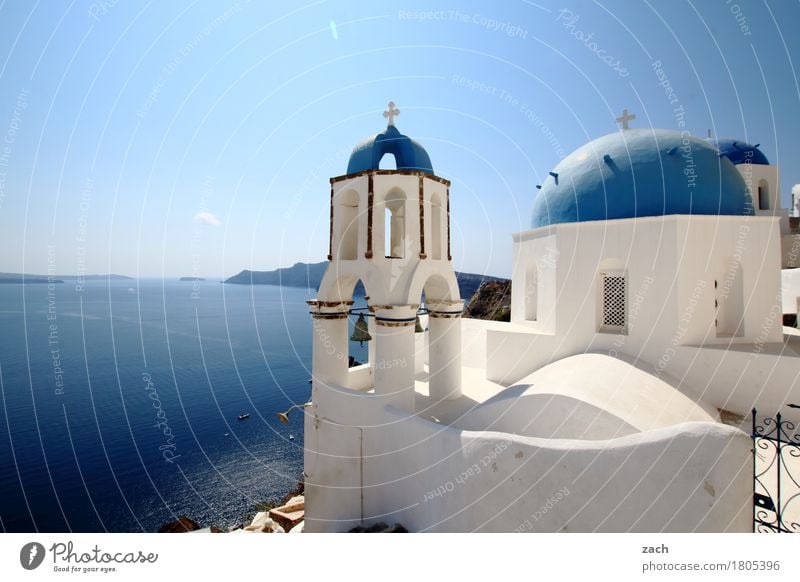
(8, 278)
(300, 275)
(309, 275)
(191, 279)
(110, 277)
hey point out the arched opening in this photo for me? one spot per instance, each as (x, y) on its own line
(436, 226)
(395, 224)
(387, 162)
(729, 299)
(359, 350)
(763, 195)
(343, 346)
(346, 224)
(437, 288)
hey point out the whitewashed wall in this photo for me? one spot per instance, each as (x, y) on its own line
(428, 477)
(671, 263)
(790, 285)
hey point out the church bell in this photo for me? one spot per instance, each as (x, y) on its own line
(360, 331)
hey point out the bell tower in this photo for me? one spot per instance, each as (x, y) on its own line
(389, 229)
(760, 177)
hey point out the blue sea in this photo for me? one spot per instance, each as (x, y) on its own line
(120, 402)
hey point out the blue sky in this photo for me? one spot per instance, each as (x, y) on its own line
(121, 122)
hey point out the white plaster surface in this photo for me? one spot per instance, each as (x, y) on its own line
(671, 265)
(432, 477)
(790, 288)
(587, 396)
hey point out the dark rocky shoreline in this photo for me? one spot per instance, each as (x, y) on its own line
(185, 524)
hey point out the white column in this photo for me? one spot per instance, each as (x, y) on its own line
(421, 347)
(394, 355)
(329, 346)
(444, 356)
(371, 345)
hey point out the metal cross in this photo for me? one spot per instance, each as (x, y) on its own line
(391, 113)
(625, 118)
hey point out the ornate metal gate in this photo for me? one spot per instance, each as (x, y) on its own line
(776, 475)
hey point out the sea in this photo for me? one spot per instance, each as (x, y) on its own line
(121, 402)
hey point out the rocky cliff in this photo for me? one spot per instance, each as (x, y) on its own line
(492, 301)
(309, 275)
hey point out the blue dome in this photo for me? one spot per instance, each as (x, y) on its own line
(641, 172)
(408, 154)
(739, 152)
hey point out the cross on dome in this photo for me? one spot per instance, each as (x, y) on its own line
(625, 118)
(391, 112)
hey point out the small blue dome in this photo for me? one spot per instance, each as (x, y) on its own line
(641, 172)
(408, 154)
(739, 152)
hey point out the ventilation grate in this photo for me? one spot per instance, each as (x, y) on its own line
(614, 301)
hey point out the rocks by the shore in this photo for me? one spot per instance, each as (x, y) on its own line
(291, 513)
(262, 523)
(181, 525)
(288, 516)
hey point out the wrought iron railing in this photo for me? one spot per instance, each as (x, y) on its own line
(776, 475)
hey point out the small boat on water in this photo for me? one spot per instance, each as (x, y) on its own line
(244, 416)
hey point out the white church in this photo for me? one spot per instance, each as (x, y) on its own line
(646, 324)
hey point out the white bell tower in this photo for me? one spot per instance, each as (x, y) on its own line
(761, 178)
(390, 229)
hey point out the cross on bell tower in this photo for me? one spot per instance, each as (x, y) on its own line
(625, 118)
(390, 113)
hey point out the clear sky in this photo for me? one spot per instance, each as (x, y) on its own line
(122, 121)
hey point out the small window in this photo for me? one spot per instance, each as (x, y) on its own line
(763, 195)
(395, 225)
(436, 227)
(388, 162)
(346, 224)
(729, 300)
(614, 297)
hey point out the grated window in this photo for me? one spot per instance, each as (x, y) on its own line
(614, 308)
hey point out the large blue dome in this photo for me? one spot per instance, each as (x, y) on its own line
(739, 152)
(408, 154)
(641, 172)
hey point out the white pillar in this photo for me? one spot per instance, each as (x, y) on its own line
(329, 346)
(444, 356)
(394, 355)
(371, 345)
(421, 347)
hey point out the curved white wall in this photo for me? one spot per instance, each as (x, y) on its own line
(429, 477)
(587, 396)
